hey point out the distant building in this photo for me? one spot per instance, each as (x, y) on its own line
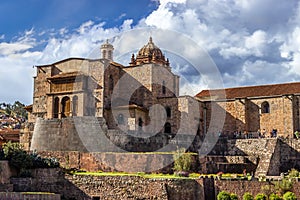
(265, 108)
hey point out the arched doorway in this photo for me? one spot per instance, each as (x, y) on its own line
(75, 105)
(66, 108)
(56, 107)
(167, 127)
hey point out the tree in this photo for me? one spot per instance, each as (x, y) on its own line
(182, 161)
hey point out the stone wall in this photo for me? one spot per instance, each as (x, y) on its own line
(90, 134)
(22, 196)
(246, 115)
(271, 156)
(122, 162)
(239, 187)
(84, 187)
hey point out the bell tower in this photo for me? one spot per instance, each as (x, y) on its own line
(107, 50)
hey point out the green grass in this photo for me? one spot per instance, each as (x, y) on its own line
(159, 176)
(49, 193)
(149, 153)
(140, 174)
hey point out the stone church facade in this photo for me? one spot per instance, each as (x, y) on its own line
(123, 98)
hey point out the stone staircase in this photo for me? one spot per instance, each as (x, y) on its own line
(266, 151)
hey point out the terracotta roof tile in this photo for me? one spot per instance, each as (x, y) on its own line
(251, 91)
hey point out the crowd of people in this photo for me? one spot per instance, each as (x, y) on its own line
(246, 135)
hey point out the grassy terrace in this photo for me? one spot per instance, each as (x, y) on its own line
(162, 176)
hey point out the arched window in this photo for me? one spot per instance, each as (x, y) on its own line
(109, 55)
(164, 87)
(167, 127)
(120, 119)
(75, 105)
(265, 107)
(56, 107)
(104, 54)
(168, 111)
(65, 111)
(111, 83)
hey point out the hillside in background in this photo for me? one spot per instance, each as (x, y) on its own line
(12, 116)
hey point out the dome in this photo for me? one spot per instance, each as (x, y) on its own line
(149, 53)
(150, 50)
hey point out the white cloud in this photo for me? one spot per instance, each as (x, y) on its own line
(252, 42)
(11, 48)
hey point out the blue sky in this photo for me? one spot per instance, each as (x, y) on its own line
(19, 15)
(251, 42)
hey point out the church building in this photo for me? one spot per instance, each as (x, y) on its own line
(141, 99)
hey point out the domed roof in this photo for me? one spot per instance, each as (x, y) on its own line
(150, 49)
(149, 53)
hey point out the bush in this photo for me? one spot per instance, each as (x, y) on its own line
(182, 161)
(39, 162)
(268, 190)
(289, 196)
(233, 196)
(261, 196)
(275, 197)
(22, 161)
(223, 195)
(248, 196)
(293, 173)
(284, 185)
(17, 157)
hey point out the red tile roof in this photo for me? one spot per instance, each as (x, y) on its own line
(251, 91)
(9, 135)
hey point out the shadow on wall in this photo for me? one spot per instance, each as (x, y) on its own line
(289, 154)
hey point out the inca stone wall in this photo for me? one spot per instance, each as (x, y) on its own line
(240, 187)
(22, 196)
(122, 162)
(84, 187)
(270, 156)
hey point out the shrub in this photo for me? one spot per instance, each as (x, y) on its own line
(223, 195)
(182, 161)
(39, 162)
(261, 196)
(275, 197)
(268, 189)
(17, 157)
(233, 196)
(248, 196)
(23, 162)
(284, 185)
(293, 173)
(289, 196)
